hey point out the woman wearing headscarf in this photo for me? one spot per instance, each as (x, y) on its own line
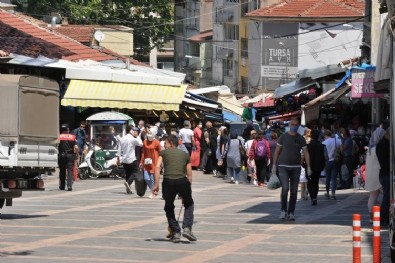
(149, 158)
(197, 137)
(222, 140)
(233, 158)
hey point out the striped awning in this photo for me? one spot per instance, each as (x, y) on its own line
(83, 93)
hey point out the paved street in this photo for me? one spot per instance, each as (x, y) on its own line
(98, 222)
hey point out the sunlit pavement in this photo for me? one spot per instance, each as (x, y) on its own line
(98, 222)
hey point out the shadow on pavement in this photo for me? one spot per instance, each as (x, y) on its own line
(19, 253)
(327, 212)
(17, 216)
(167, 240)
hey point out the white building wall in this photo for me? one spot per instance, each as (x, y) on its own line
(328, 46)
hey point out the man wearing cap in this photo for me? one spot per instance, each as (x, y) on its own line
(68, 153)
(127, 155)
(186, 135)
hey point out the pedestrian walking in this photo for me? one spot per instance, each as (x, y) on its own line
(149, 158)
(383, 156)
(196, 154)
(372, 170)
(260, 153)
(186, 135)
(222, 140)
(233, 158)
(127, 155)
(177, 179)
(251, 167)
(346, 179)
(68, 154)
(80, 136)
(210, 144)
(332, 165)
(318, 156)
(287, 158)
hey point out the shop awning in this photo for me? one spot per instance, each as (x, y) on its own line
(230, 103)
(202, 36)
(230, 116)
(294, 87)
(83, 93)
(321, 72)
(263, 100)
(283, 117)
(311, 110)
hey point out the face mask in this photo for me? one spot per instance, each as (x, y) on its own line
(150, 137)
(293, 128)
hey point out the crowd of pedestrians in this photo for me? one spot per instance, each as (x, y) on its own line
(296, 155)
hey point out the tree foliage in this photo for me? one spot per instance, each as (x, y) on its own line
(151, 20)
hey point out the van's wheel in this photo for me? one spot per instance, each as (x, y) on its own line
(140, 184)
(392, 255)
(2, 202)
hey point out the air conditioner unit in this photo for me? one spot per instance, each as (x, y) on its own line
(243, 62)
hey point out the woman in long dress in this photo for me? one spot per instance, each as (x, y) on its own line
(197, 136)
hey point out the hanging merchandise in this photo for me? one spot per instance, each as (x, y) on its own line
(291, 104)
(312, 94)
(303, 99)
(279, 106)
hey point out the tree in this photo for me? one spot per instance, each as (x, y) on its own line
(151, 20)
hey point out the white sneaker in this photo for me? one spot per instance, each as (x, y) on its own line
(151, 196)
(236, 182)
(255, 182)
(283, 215)
(291, 216)
(128, 190)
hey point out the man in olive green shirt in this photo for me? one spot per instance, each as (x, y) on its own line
(177, 179)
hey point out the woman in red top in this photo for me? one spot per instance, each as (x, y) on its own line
(149, 158)
(197, 136)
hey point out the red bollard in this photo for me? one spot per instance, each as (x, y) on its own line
(376, 235)
(356, 227)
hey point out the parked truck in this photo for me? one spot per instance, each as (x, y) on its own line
(29, 130)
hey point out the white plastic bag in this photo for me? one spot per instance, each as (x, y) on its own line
(274, 182)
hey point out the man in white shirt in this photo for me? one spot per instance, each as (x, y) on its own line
(186, 135)
(127, 155)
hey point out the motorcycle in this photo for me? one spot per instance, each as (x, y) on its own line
(99, 163)
(100, 160)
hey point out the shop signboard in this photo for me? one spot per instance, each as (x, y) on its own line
(362, 83)
(279, 54)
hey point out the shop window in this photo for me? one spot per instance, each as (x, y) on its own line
(244, 7)
(244, 85)
(231, 32)
(228, 67)
(244, 47)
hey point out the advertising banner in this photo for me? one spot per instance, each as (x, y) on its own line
(362, 84)
(279, 54)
